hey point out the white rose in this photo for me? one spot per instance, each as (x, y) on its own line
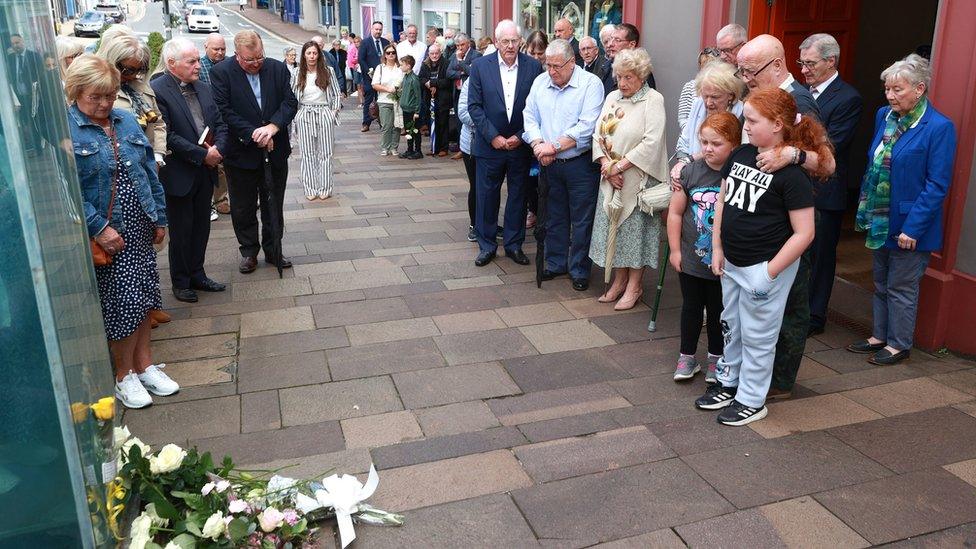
(214, 526)
(168, 459)
(222, 485)
(119, 436)
(152, 514)
(144, 448)
(172, 545)
(207, 488)
(237, 506)
(139, 532)
(271, 519)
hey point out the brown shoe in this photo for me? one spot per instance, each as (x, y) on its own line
(248, 265)
(159, 316)
(442, 154)
(456, 156)
(778, 394)
(365, 128)
(152, 322)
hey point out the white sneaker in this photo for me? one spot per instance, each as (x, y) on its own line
(131, 392)
(384, 152)
(157, 382)
(213, 213)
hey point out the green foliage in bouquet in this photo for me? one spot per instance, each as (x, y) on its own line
(155, 43)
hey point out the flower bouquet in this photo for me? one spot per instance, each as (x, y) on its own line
(191, 502)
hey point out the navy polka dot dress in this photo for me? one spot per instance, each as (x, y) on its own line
(128, 287)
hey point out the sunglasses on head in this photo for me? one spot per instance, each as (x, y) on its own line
(391, 52)
(129, 71)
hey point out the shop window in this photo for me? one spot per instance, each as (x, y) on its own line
(587, 16)
(441, 20)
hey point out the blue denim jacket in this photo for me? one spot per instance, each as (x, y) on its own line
(95, 161)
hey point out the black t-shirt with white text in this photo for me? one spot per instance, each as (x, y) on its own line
(755, 216)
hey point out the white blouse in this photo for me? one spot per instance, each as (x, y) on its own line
(386, 76)
(314, 95)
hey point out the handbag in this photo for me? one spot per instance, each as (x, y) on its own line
(374, 108)
(99, 256)
(653, 198)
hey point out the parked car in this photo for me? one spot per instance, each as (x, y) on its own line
(202, 19)
(111, 10)
(90, 24)
(189, 5)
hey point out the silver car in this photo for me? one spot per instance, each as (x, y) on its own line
(90, 24)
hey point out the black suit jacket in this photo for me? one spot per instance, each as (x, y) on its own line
(242, 114)
(184, 161)
(369, 57)
(33, 66)
(579, 57)
(840, 110)
(598, 67)
(435, 74)
(486, 104)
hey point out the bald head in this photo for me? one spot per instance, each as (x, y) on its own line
(762, 62)
(215, 47)
(563, 29)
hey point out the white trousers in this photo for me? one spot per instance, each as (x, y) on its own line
(751, 319)
(316, 136)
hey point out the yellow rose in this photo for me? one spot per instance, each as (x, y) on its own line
(79, 412)
(104, 409)
(168, 459)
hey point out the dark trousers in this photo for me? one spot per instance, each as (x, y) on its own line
(532, 194)
(700, 295)
(424, 110)
(490, 173)
(897, 275)
(244, 187)
(369, 95)
(573, 189)
(472, 190)
(441, 125)
(793, 332)
(413, 144)
(189, 232)
(823, 264)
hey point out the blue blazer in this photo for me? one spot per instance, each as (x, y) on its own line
(368, 56)
(184, 161)
(840, 110)
(486, 104)
(921, 171)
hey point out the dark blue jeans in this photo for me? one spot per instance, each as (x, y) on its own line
(369, 95)
(573, 188)
(897, 274)
(489, 175)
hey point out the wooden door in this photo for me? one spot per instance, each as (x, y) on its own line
(793, 20)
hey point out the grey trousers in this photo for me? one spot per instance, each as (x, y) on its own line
(391, 135)
(897, 274)
(751, 319)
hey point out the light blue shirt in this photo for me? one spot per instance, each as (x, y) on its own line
(255, 81)
(467, 125)
(571, 111)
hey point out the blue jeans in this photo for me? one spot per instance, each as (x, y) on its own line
(573, 189)
(489, 175)
(897, 274)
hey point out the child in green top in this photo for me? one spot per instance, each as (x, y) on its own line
(410, 105)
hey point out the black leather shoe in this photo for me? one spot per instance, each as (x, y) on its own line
(549, 275)
(248, 264)
(484, 258)
(185, 295)
(886, 358)
(581, 284)
(208, 285)
(815, 330)
(864, 347)
(518, 256)
(285, 262)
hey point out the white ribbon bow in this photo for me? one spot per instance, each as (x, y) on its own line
(343, 494)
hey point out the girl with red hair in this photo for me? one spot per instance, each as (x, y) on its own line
(764, 222)
(690, 217)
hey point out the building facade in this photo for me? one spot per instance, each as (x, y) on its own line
(470, 16)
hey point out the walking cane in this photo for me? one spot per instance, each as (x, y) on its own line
(652, 325)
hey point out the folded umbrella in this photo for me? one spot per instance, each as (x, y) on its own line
(268, 201)
(540, 227)
(616, 206)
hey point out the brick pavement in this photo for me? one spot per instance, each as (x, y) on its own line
(502, 415)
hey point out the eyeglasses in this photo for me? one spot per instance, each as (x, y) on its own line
(732, 49)
(750, 74)
(391, 53)
(106, 98)
(129, 71)
(509, 42)
(711, 52)
(551, 67)
(808, 64)
(254, 61)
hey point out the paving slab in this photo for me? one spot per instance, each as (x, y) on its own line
(537, 313)
(282, 321)
(391, 330)
(485, 346)
(288, 443)
(910, 395)
(570, 426)
(444, 447)
(621, 503)
(293, 342)
(564, 369)
(476, 321)
(903, 506)
(570, 335)
(859, 379)
(425, 388)
(451, 419)
(194, 348)
(812, 414)
(372, 360)
(963, 380)
(356, 312)
(588, 307)
(602, 451)
(472, 282)
(202, 372)
(355, 461)
(632, 326)
(487, 521)
(340, 282)
(163, 422)
(455, 301)
(263, 373)
(965, 470)
(783, 468)
(543, 405)
(656, 388)
(699, 432)
(380, 430)
(260, 411)
(338, 400)
(196, 327)
(449, 480)
(275, 287)
(239, 307)
(914, 441)
(645, 358)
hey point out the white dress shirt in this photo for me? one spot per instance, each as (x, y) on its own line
(509, 76)
(417, 50)
(819, 89)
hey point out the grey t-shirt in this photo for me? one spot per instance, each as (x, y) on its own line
(701, 185)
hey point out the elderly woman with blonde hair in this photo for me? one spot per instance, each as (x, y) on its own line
(67, 50)
(629, 145)
(130, 56)
(125, 213)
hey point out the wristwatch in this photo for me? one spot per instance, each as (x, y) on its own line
(557, 145)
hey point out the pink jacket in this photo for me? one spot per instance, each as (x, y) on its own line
(352, 56)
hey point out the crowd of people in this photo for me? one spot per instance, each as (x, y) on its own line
(749, 214)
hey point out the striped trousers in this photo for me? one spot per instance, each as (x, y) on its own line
(315, 126)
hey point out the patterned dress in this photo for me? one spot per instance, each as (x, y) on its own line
(128, 287)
